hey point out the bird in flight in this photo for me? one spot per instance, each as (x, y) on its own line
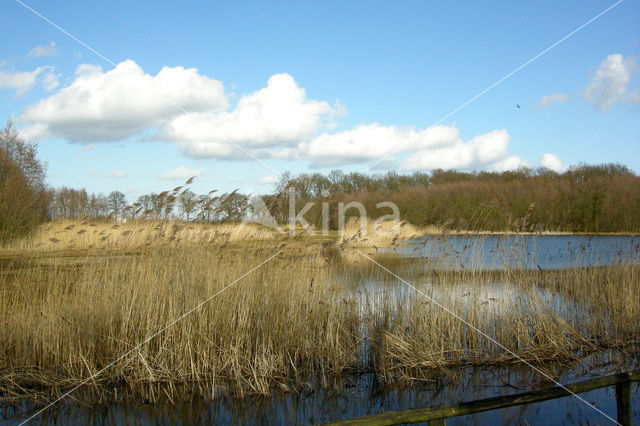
(518, 105)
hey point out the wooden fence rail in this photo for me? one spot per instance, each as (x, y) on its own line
(438, 415)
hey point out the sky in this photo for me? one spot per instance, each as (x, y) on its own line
(140, 96)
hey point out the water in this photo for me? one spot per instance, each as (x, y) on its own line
(494, 252)
(364, 395)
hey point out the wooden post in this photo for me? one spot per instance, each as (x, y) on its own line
(623, 401)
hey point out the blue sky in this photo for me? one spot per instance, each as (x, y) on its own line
(206, 87)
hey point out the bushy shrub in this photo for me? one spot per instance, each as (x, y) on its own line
(23, 196)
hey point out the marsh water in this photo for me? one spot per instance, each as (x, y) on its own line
(494, 252)
(360, 395)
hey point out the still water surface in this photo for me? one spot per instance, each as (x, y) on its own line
(490, 252)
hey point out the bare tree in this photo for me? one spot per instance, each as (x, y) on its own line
(117, 201)
(187, 202)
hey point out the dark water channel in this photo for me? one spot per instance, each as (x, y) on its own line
(364, 396)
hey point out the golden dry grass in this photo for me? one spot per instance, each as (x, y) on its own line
(296, 319)
(62, 321)
(66, 234)
(369, 233)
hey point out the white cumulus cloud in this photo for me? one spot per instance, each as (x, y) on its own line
(277, 115)
(512, 162)
(372, 141)
(552, 162)
(48, 50)
(122, 102)
(180, 105)
(609, 81)
(182, 173)
(489, 150)
(546, 101)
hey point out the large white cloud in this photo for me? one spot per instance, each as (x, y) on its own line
(488, 150)
(609, 81)
(122, 102)
(277, 121)
(371, 142)
(278, 115)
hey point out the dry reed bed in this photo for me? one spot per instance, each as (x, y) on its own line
(537, 316)
(66, 234)
(369, 233)
(62, 322)
(286, 324)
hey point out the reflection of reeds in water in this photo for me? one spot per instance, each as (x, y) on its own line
(67, 314)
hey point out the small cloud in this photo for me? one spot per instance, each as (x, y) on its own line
(77, 54)
(510, 163)
(89, 147)
(92, 172)
(20, 81)
(552, 162)
(182, 173)
(48, 50)
(609, 81)
(267, 180)
(546, 101)
(118, 174)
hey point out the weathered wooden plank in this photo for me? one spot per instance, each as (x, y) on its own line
(416, 415)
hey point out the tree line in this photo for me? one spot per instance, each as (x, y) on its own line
(180, 203)
(585, 198)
